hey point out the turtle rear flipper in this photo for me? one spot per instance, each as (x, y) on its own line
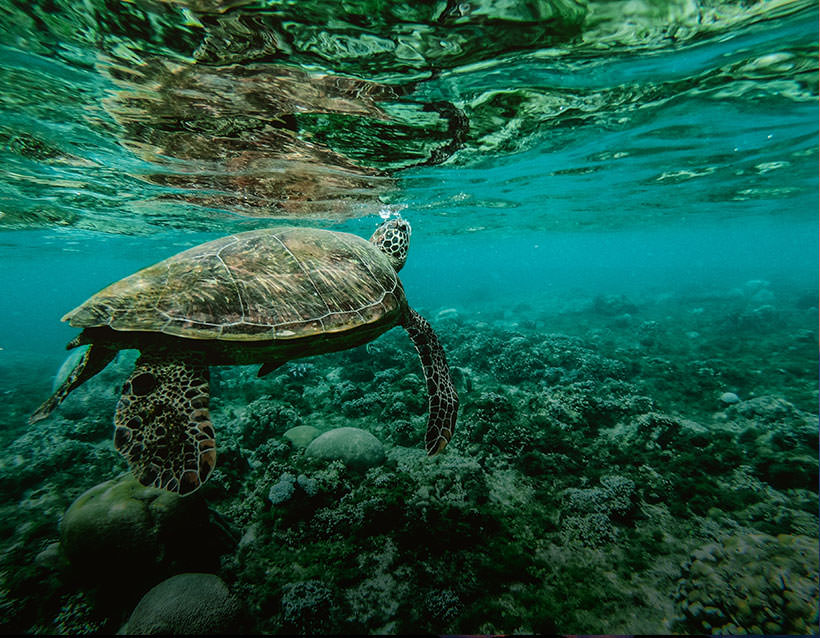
(94, 360)
(442, 396)
(162, 425)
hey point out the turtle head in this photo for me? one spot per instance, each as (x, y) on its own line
(393, 239)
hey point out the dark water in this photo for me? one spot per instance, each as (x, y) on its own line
(614, 211)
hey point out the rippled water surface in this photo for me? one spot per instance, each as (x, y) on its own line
(615, 216)
(140, 117)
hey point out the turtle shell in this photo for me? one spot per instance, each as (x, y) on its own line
(277, 283)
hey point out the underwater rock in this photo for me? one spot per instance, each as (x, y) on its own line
(765, 317)
(377, 600)
(192, 603)
(776, 514)
(752, 583)
(649, 333)
(766, 409)
(233, 465)
(620, 495)
(301, 436)
(763, 297)
(345, 391)
(450, 481)
(403, 433)
(56, 449)
(613, 305)
(51, 557)
(492, 407)
(120, 530)
(447, 313)
(517, 361)
(395, 411)
(622, 321)
(754, 286)
(355, 447)
(728, 398)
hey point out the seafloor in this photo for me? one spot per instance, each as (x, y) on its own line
(601, 480)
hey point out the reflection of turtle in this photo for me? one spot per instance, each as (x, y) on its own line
(264, 296)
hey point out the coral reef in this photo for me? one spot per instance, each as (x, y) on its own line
(588, 514)
(307, 607)
(590, 461)
(751, 584)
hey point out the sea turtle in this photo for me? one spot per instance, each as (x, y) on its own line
(257, 297)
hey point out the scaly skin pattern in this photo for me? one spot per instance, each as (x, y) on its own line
(442, 396)
(162, 425)
(393, 239)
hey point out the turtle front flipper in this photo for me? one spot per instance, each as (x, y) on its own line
(94, 360)
(162, 425)
(442, 396)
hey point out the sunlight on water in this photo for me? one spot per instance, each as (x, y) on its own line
(189, 114)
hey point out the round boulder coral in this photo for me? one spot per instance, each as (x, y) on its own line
(301, 436)
(751, 584)
(121, 530)
(185, 604)
(354, 447)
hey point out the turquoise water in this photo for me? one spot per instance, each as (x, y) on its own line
(615, 217)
